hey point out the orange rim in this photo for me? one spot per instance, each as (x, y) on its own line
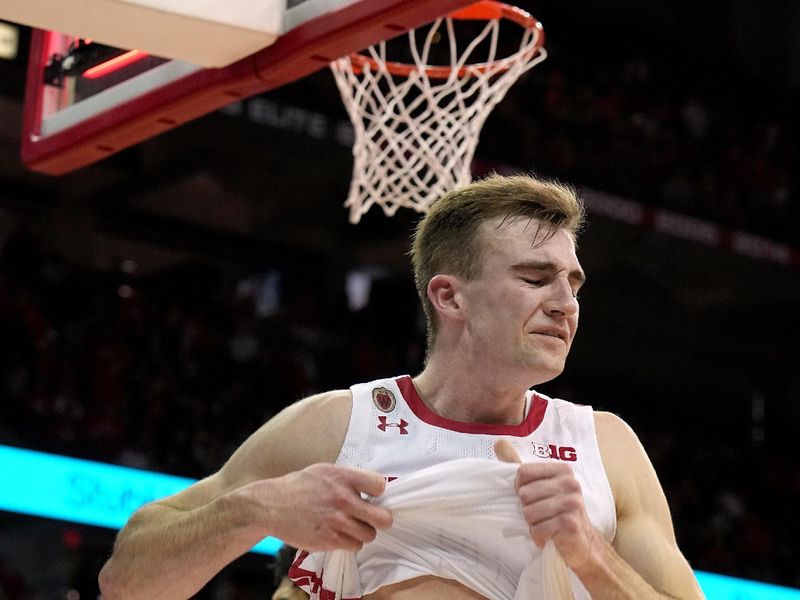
(485, 10)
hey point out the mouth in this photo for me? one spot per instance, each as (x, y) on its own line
(554, 333)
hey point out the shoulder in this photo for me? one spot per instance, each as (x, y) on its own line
(631, 474)
(612, 430)
(309, 431)
(317, 412)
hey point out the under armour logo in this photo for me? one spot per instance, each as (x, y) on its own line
(401, 425)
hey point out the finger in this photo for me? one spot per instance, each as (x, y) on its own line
(531, 472)
(368, 482)
(538, 490)
(377, 517)
(505, 452)
(545, 509)
(359, 530)
(533, 487)
(544, 470)
(544, 531)
(344, 541)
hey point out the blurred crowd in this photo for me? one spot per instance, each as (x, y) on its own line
(172, 371)
(722, 151)
(693, 135)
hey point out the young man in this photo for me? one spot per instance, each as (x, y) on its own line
(497, 272)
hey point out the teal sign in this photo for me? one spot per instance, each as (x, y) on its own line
(83, 491)
(720, 587)
(93, 493)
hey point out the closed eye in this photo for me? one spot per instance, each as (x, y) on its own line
(536, 282)
(541, 282)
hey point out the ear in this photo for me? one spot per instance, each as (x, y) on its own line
(442, 292)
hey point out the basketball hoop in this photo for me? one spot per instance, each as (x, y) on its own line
(417, 124)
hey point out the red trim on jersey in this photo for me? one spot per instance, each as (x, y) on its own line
(421, 410)
(302, 577)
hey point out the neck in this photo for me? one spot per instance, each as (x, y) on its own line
(471, 395)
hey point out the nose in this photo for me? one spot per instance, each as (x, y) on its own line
(562, 302)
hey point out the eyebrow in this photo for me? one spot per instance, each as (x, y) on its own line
(576, 275)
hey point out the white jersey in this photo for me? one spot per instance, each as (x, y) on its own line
(393, 432)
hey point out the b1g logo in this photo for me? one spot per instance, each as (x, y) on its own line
(565, 453)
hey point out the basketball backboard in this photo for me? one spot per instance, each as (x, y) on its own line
(85, 101)
(210, 34)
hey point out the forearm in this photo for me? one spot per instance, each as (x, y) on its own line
(167, 553)
(606, 576)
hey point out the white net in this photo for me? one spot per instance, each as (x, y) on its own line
(417, 125)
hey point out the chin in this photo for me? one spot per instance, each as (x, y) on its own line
(544, 373)
(545, 378)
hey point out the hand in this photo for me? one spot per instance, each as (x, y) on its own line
(552, 504)
(320, 507)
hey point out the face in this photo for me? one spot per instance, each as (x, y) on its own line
(521, 313)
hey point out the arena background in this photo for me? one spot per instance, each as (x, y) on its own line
(157, 307)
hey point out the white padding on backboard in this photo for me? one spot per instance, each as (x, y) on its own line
(210, 33)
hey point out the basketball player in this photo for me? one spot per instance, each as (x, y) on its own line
(496, 269)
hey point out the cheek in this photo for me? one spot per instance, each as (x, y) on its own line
(573, 327)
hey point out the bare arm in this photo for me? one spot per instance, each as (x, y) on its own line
(272, 485)
(644, 562)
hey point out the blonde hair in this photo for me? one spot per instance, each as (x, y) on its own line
(447, 239)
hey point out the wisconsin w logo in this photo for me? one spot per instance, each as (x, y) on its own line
(402, 425)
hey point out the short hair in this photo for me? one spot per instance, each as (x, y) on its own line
(448, 240)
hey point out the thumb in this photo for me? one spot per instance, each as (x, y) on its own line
(368, 482)
(505, 452)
